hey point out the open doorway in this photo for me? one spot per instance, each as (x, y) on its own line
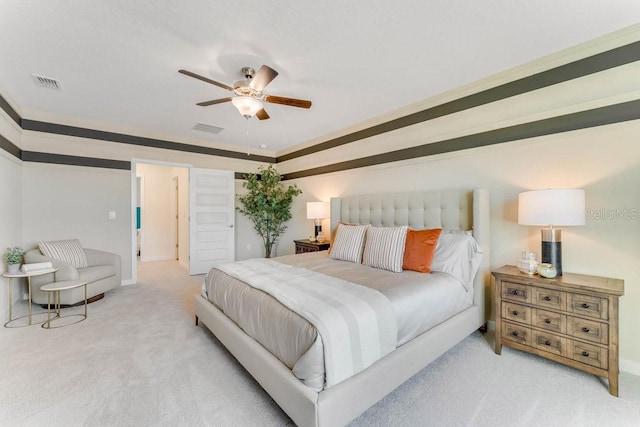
(160, 197)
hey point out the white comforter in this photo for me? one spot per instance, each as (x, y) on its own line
(420, 301)
(357, 325)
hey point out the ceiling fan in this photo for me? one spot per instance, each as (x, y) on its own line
(248, 97)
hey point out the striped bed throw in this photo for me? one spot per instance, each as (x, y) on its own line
(357, 324)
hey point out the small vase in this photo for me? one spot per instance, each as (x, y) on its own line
(528, 263)
(13, 268)
(547, 270)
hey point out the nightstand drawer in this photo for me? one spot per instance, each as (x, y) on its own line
(549, 298)
(516, 333)
(516, 312)
(588, 354)
(587, 305)
(515, 292)
(549, 342)
(588, 330)
(549, 320)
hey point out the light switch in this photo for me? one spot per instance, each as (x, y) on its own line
(112, 214)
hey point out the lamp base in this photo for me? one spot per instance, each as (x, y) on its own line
(318, 229)
(552, 248)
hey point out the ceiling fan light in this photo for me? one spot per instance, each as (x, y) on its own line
(246, 105)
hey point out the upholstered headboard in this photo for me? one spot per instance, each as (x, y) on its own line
(446, 209)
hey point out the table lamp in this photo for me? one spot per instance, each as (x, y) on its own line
(317, 211)
(552, 208)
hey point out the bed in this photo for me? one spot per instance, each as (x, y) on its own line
(334, 403)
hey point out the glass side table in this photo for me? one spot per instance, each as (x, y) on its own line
(28, 276)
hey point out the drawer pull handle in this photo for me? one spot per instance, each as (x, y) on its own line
(515, 313)
(547, 342)
(585, 330)
(585, 305)
(547, 298)
(514, 333)
(547, 321)
(514, 292)
(585, 353)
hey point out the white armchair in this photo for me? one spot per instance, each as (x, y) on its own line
(102, 274)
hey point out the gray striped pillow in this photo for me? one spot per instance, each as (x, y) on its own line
(68, 251)
(385, 248)
(348, 243)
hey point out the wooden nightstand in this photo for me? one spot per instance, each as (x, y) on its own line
(572, 319)
(303, 246)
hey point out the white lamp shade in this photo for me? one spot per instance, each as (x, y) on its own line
(246, 105)
(551, 207)
(317, 210)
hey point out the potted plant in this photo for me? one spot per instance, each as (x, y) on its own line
(13, 256)
(267, 203)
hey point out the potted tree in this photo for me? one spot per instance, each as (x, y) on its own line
(267, 203)
(13, 256)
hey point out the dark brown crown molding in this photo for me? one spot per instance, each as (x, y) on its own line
(580, 68)
(582, 120)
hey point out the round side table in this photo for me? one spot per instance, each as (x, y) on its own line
(55, 288)
(28, 276)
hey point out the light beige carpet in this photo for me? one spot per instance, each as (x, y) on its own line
(138, 360)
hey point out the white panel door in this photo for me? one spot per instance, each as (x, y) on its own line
(212, 216)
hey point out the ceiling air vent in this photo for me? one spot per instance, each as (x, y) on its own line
(46, 82)
(203, 127)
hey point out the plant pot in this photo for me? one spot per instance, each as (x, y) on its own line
(13, 268)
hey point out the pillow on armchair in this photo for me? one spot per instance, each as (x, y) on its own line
(69, 251)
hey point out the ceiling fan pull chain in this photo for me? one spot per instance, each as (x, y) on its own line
(247, 131)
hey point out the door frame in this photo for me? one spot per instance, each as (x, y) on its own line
(134, 197)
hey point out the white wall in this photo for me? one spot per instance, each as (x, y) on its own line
(158, 212)
(10, 222)
(157, 224)
(64, 202)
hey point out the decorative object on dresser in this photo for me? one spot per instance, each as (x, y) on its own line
(528, 263)
(571, 319)
(303, 246)
(317, 211)
(549, 208)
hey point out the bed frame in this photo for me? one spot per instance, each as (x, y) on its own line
(337, 405)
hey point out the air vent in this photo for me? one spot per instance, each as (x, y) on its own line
(46, 82)
(203, 127)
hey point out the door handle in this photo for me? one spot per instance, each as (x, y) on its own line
(230, 226)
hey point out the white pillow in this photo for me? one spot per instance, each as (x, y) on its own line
(348, 243)
(458, 254)
(69, 251)
(384, 247)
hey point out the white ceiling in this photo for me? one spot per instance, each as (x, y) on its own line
(118, 60)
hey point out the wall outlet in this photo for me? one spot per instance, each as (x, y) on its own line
(248, 246)
(25, 296)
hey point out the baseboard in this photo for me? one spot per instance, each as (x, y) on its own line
(630, 367)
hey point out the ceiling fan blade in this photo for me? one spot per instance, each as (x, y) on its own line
(263, 77)
(204, 79)
(300, 103)
(215, 101)
(262, 115)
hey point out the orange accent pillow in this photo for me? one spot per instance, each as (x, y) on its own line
(419, 249)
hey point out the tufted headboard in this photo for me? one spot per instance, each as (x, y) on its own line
(451, 210)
